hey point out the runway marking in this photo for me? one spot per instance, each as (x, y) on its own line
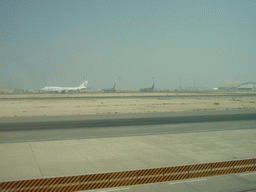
(194, 180)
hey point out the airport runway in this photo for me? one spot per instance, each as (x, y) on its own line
(132, 121)
(73, 133)
(146, 124)
(117, 96)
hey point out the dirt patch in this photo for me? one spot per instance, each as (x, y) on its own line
(60, 107)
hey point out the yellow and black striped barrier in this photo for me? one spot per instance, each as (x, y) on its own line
(124, 178)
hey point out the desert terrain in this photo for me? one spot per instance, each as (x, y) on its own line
(87, 104)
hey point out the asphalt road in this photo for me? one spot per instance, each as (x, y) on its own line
(85, 96)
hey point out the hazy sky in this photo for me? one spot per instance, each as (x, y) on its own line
(63, 43)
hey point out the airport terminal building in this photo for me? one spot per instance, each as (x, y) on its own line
(247, 86)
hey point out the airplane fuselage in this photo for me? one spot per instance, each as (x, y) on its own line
(110, 90)
(65, 89)
(150, 89)
(60, 89)
(147, 90)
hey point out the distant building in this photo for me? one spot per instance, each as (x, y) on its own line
(238, 86)
(247, 86)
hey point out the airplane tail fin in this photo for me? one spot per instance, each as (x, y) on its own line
(114, 86)
(153, 86)
(83, 85)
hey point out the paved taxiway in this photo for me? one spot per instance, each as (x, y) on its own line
(28, 129)
(122, 96)
(38, 153)
(68, 122)
(41, 133)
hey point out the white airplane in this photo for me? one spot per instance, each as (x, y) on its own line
(65, 89)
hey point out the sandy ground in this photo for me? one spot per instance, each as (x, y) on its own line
(85, 106)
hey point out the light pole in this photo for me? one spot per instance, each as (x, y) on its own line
(180, 83)
(120, 83)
